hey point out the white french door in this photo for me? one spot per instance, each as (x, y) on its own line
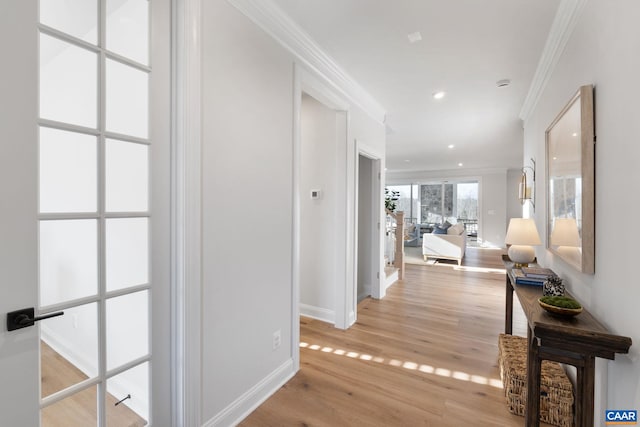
(91, 143)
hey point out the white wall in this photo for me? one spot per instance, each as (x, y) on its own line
(247, 161)
(492, 209)
(603, 50)
(318, 238)
(247, 206)
(493, 224)
(514, 208)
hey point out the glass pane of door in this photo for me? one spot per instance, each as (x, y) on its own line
(127, 328)
(127, 176)
(128, 29)
(78, 18)
(133, 386)
(127, 100)
(68, 82)
(69, 348)
(68, 260)
(68, 171)
(78, 410)
(127, 252)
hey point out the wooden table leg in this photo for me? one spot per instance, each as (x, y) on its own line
(508, 312)
(584, 393)
(534, 363)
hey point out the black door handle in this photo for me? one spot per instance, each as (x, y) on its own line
(24, 318)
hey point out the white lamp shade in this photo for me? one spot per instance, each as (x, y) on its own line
(565, 232)
(522, 231)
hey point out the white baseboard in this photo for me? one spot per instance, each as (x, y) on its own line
(365, 293)
(318, 313)
(351, 319)
(390, 280)
(240, 408)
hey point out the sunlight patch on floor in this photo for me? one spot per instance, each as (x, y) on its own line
(412, 366)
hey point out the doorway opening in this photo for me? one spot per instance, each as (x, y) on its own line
(325, 209)
(367, 258)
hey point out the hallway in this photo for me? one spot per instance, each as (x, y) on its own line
(418, 357)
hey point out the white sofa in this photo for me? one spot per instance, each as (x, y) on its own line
(446, 246)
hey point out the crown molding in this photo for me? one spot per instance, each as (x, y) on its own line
(268, 16)
(561, 29)
(453, 175)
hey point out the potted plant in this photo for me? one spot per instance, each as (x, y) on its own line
(390, 199)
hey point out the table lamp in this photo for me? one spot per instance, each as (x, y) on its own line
(521, 235)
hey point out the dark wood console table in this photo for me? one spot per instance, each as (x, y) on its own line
(574, 341)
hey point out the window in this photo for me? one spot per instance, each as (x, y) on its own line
(452, 202)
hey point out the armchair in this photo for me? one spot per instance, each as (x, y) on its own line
(446, 246)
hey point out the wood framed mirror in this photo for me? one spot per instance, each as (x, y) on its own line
(570, 155)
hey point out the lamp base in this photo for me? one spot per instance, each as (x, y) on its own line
(521, 255)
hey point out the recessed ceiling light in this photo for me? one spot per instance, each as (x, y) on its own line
(451, 146)
(439, 95)
(414, 37)
(555, 158)
(574, 134)
(459, 164)
(407, 160)
(503, 82)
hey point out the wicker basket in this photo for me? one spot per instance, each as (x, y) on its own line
(556, 391)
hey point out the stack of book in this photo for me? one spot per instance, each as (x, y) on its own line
(535, 276)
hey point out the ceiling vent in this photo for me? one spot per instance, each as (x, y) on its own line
(414, 37)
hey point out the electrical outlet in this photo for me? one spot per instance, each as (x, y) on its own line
(277, 339)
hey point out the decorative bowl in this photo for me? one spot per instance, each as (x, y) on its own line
(561, 311)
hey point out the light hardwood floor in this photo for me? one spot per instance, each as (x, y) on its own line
(79, 410)
(423, 356)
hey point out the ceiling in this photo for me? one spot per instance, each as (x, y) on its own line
(466, 47)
